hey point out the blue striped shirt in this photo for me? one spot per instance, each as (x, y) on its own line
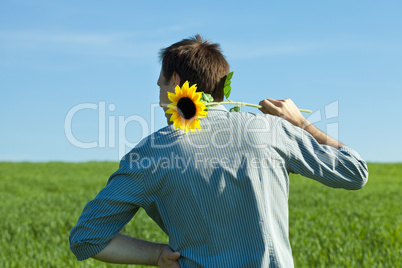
(220, 194)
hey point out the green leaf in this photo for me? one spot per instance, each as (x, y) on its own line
(205, 97)
(230, 75)
(227, 88)
(235, 109)
(226, 91)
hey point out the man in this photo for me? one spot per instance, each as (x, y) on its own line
(221, 193)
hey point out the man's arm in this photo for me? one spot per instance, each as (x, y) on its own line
(97, 231)
(127, 250)
(314, 154)
(289, 111)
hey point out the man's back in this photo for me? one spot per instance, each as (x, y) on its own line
(221, 194)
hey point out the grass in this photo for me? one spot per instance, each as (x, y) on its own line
(41, 202)
(338, 228)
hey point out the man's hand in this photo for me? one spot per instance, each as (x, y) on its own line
(168, 258)
(129, 250)
(289, 111)
(285, 109)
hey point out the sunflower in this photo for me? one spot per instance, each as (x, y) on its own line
(186, 108)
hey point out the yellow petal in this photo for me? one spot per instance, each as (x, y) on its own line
(193, 87)
(172, 105)
(180, 95)
(177, 90)
(198, 125)
(172, 97)
(185, 86)
(171, 111)
(201, 112)
(200, 106)
(174, 116)
(176, 123)
(197, 96)
(191, 91)
(188, 125)
(192, 125)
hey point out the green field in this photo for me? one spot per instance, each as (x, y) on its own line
(41, 202)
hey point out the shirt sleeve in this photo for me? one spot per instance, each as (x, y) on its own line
(105, 216)
(336, 168)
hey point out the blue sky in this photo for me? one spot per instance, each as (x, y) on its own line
(341, 59)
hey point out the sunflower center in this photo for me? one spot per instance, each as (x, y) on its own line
(186, 108)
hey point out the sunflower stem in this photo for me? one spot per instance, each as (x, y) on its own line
(232, 102)
(245, 104)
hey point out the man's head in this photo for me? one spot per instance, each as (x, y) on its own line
(197, 61)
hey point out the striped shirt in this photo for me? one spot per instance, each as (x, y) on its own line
(220, 194)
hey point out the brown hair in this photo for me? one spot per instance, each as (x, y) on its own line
(197, 61)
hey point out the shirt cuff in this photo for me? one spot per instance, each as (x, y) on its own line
(86, 250)
(349, 151)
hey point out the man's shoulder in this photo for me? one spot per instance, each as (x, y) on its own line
(250, 119)
(162, 135)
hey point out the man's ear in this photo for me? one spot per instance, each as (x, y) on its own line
(176, 79)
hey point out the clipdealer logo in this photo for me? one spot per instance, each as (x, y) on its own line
(112, 128)
(109, 126)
